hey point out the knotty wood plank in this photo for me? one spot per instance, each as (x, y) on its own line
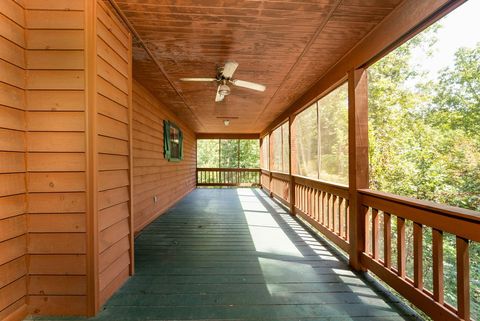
(56, 182)
(56, 202)
(56, 243)
(11, 162)
(56, 223)
(52, 100)
(56, 285)
(12, 205)
(12, 270)
(54, 162)
(57, 305)
(55, 142)
(57, 264)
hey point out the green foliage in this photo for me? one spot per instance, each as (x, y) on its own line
(228, 153)
(249, 153)
(424, 142)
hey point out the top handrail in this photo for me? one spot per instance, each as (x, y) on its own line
(235, 169)
(447, 210)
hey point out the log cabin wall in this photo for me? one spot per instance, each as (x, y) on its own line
(153, 174)
(113, 116)
(13, 221)
(56, 158)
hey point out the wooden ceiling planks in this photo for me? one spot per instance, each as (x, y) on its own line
(286, 45)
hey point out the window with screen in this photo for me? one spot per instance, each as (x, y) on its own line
(280, 149)
(172, 141)
(265, 152)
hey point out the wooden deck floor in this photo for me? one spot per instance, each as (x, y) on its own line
(234, 254)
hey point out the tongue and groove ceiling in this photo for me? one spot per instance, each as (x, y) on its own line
(286, 45)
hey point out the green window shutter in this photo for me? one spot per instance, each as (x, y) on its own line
(180, 140)
(166, 139)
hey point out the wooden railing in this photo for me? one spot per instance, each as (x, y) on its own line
(393, 212)
(327, 208)
(228, 177)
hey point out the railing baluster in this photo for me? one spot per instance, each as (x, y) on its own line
(347, 220)
(375, 230)
(341, 218)
(387, 239)
(418, 255)
(463, 278)
(334, 213)
(401, 256)
(437, 249)
(329, 217)
(312, 201)
(322, 208)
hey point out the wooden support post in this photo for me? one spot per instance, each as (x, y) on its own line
(92, 287)
(358, 160)
(270, 163)
(292, 159)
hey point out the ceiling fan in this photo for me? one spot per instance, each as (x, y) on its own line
(225, 76)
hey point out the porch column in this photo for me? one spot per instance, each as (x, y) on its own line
(358, 160)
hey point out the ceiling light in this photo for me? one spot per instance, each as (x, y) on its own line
(226, 122)
(224, 90)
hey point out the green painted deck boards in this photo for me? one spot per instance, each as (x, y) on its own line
(234, 254)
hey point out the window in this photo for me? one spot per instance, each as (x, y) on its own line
(249, 153)
(228, 153)
(280, 137)
(208, 153)
(321, 138)
(306, 141)
(172, 141)
(333, 136)
(266, 152)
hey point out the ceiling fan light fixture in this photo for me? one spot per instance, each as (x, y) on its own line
(226, 122)
(224, 90)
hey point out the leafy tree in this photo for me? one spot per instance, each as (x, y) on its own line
(424, 138)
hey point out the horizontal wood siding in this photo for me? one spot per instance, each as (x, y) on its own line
(153, 174)
(56, 161)
(13, 220)
(113, 179)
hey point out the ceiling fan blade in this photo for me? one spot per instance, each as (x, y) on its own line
(248, 84)
(219, 97)
(229, 69)
(198, 79)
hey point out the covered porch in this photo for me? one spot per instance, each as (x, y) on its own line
(123, 130)
(236, 254)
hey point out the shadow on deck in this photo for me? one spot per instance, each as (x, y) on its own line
(234, 254)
